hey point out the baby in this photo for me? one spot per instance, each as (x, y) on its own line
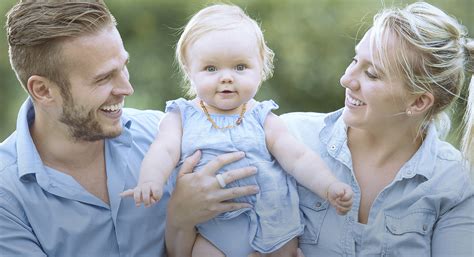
(224, 58)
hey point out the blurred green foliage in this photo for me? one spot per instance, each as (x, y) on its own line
(313, 40)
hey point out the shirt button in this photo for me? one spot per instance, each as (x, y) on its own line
(425, 227)
(318, 204)
(333, 147)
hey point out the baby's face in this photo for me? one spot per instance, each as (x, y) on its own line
(225, 67)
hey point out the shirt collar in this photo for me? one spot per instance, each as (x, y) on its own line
(29, 160)
(334, 137)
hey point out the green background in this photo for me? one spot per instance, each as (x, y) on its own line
(313, 40)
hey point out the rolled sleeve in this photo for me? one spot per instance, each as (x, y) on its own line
(454, 232)
(17, 237)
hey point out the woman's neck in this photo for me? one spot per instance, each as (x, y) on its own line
(382, 148)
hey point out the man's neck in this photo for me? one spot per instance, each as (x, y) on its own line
(60, 151)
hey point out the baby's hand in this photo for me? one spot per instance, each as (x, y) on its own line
(148, 193)
(340, 196)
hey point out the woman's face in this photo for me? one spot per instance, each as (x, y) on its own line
(373, 100)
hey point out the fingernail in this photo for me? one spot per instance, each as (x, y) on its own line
(241, 154)
(255, 189)
(254, 170)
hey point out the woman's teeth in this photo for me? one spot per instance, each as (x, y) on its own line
(355, 101)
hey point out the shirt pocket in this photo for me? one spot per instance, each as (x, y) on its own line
(313, 210)
(409, 234)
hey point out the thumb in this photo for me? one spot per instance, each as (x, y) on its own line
(299, 253)
(189, 163)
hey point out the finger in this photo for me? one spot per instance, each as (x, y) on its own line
(220, 161)
(345, 204)
(127, 193)
(156, 194)
(146, 196)
(231, 206)
(348, 194)
(137, 196)
(236, 192)
(299, 253)
(255, 254)
(237, 174)
(189, 163)
(342, 211)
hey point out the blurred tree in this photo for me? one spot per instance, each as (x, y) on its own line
(313, 40)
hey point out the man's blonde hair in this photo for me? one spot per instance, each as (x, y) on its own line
(35, 30)
(220, 17)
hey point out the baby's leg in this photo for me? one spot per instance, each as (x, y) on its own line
(203, 248)
(288, 250)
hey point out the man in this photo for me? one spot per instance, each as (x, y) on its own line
(76, 148)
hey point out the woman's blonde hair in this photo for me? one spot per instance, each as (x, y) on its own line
(429, 50)
(468, 138)
(214, 18)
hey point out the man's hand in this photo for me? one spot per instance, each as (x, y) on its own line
(299, 253)
(198, 196)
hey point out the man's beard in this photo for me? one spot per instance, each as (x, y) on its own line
(82, 125)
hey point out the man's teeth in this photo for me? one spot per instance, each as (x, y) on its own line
(355, 101)
(112, 108)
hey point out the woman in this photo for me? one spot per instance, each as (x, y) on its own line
(412, 193)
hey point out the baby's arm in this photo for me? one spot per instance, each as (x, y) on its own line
(305, 165)
(159, 161)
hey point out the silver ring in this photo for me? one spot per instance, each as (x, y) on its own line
(220, 180)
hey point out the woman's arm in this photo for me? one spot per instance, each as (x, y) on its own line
(453, 233)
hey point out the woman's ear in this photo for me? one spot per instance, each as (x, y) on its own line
(422, 103)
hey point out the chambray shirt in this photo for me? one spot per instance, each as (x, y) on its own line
(427, 210)
(44, 212)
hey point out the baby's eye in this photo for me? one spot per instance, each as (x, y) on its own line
(240, 67)
(210, 68)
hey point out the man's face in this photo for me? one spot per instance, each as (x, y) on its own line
(99, 82)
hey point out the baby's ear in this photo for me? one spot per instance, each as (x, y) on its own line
(422, 103)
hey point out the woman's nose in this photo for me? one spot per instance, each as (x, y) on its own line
(349, 80)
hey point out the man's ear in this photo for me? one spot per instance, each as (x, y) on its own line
(422, 103)
(40, 89)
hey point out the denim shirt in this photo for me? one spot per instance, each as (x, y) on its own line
(427, 210)
(44, 212)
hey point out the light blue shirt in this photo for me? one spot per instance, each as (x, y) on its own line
(44, 212)
(427, 210)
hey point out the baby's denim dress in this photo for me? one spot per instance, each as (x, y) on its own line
(275, 218)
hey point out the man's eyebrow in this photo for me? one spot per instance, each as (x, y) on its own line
(105, 74)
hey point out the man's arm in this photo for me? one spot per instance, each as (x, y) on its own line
(16, 236)
(198, 197)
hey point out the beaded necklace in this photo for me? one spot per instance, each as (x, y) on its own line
(214, 125)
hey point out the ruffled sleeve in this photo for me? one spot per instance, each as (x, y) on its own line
(261, 110)
(182, 105)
